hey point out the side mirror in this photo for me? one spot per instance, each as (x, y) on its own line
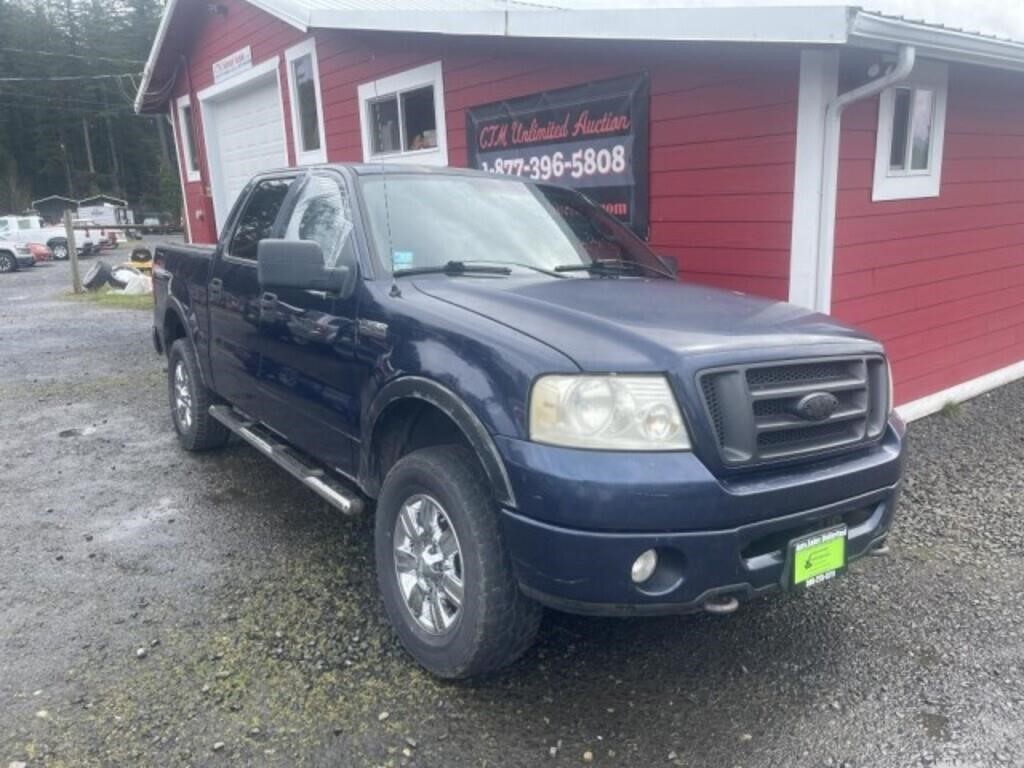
(297, 264)
(670, 264)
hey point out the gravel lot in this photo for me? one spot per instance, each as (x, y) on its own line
(163, 609)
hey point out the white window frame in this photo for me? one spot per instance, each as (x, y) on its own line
(909, 184)
(395, 85)
(303, 157)
(185, 136)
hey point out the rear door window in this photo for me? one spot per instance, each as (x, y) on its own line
(256, 221)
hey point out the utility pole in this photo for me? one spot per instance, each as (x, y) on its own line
(69, 232)
(165, 155)
(88, 145)
(67, 168)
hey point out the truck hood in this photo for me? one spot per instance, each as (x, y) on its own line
(630, 324)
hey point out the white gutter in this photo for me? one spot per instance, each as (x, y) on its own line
(830, 169)
(870, 30)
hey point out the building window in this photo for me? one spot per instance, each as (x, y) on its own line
(911, 130)
(402, 117)
(306, 104)
(187, 137)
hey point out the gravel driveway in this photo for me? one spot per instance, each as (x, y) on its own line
(164, 609)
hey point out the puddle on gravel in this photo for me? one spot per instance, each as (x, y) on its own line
(936, 726)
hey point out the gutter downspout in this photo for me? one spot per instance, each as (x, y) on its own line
(830, 169)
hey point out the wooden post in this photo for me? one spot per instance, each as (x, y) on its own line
(69, 232)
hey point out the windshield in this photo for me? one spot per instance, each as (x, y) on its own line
(429, 221)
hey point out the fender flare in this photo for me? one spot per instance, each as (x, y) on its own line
(445, 400)
(176, 308)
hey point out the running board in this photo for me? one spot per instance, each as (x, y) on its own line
(281, 454)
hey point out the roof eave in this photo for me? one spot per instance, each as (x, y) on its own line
(868, 30)
(810, 25)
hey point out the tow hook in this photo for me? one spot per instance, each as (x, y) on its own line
(721, 605)
(881, 549)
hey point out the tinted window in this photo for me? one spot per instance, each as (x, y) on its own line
(258, 216)
(322, 214)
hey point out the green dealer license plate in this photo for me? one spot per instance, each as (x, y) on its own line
(819, 557)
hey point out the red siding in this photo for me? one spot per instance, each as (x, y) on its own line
(214, 38)
(940, 280)
(723, 125)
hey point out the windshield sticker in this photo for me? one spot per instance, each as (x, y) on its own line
(401, 259)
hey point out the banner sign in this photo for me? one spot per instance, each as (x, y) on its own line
(591, 137)
(238, 61)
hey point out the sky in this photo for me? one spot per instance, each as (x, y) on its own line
(1004, 18)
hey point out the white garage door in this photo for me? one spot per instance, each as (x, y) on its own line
(244, 135)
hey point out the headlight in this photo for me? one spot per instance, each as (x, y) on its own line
(620, 413)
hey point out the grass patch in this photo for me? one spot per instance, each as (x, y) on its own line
(107, 297)
(950, 409)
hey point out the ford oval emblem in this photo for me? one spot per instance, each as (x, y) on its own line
(817, 406)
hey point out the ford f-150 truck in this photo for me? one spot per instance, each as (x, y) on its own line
(537, 412)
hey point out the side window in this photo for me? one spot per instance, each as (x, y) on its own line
(258, 216)
(323, 215)
(911, 132)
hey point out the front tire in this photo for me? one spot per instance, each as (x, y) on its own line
(190, 402)
(7, 262)
(444, 574)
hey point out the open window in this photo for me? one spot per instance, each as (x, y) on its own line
(306, 103)
(402, 117)
(911, 132)
(187, 137)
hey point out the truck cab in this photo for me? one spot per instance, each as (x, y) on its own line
(534, 408)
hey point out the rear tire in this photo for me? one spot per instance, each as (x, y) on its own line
(190, 402)
(60, 249)
(449, 589)
(7, 262)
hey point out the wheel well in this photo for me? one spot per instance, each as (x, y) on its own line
(406, 426)
(174, 329)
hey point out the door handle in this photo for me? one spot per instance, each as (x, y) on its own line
(269, 297)
(215, 287)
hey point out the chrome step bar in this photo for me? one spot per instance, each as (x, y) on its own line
(314, 478)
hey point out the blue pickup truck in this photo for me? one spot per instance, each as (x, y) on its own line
(534, 408)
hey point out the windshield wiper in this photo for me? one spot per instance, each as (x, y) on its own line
(453, 268)
(611, 266)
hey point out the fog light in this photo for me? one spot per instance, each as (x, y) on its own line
(643, 566)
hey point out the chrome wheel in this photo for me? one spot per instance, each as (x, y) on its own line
(60, 252)
(182, 396)
(428, 564)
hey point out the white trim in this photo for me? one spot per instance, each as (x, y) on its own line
(411, 79)
(260, 70)
(819, 84)
(304, 157)
(908, 184)
(188, 151)
(172, 113)
(930, 404)
(209, 97)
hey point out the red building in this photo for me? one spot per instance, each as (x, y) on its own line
(863, 165)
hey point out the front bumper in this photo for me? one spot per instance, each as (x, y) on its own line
(579, 558)
(25, 259)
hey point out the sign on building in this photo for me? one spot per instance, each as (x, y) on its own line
(592, 137)
(239, 61)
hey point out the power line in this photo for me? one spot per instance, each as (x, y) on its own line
(71, 55)
(64, 78)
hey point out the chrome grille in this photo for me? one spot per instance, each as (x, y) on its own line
(753, 410)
